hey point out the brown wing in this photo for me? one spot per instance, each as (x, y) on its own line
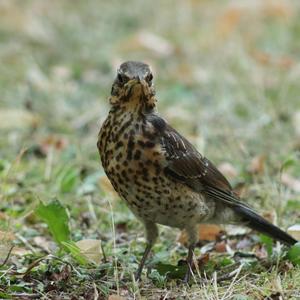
(184, 162)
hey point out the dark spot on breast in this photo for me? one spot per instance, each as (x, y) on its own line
(118, 145)
(137, 155)
(119, 156)
(147, 144)
(130, 147)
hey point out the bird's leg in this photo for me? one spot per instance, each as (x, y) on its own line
(151, 235)
(192, 233)
(142, 262)
(189, 263)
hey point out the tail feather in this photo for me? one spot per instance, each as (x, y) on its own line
(256, 222)
(249, 216)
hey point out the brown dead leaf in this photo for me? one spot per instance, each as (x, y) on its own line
(221, 247)
(291, 182)
(234, 230)
(207, 232)
(91, 249)
(203, 260)
(63, 275)
(53, 141)
(257, 165)
(261, 252)
(294, 231)
(115, 297)
(243, 244)
(42, 243)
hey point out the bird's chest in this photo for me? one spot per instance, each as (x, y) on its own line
(134, 164)
(129, 157)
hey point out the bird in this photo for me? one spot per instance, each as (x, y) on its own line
(159, 174)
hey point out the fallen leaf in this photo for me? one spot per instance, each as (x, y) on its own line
(42, 243)
(209, 232)
(53, 141)
(257, 165)
(115, 297)
(290, 182)
(63, 275)
(234, 230)
(206, 232)
(294, 231)
(261, 252)
(221, 247)
(243, 244)
(90, 249)
(203, 260)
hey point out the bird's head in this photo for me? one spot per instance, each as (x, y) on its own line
(133, 87)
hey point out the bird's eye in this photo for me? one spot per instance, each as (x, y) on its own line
(122, 78)
(149, 77)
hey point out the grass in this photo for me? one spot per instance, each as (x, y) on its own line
(227, 76)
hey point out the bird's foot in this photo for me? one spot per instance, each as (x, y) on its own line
(187, 276)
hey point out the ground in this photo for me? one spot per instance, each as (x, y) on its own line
(227, 76)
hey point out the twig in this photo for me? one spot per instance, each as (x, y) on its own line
(36, 262)
(7, 256)
(231, 274)
(21, 295)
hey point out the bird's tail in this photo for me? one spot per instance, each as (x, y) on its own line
(256, 222)
(247, 215)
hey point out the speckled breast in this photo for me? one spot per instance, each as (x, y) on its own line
(133, 163)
